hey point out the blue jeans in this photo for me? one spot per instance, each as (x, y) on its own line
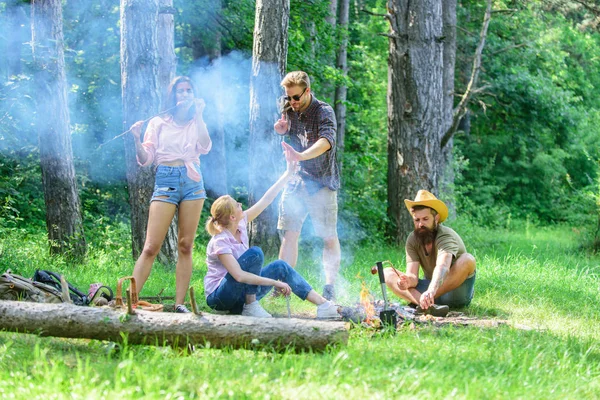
(172, 185)
(231, 294)
(459, 297)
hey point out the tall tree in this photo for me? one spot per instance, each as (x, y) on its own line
(341, 90)
(416, 113)
(140, 92)
(449, 62)
(63, 210)
(269, 55)
(167, 65)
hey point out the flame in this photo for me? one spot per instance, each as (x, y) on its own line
(366, 300)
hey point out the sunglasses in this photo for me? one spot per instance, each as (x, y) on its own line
(295, 97)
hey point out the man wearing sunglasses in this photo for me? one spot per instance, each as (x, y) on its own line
(311, 126)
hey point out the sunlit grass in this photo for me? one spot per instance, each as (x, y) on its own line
(538, 279)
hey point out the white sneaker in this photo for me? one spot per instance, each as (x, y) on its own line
(255, 310)
(328, 310)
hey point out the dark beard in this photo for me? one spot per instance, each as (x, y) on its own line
(426, 235)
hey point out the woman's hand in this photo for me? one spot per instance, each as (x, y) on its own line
(281, 126)
(292, 167)
(136, 129)
(200, 106)
(283, 287)
(291, 154)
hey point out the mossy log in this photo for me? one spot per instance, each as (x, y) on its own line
(170, 329)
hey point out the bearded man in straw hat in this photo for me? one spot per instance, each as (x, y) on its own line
(449, 270)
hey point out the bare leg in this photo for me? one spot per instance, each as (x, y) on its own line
(250, 298)
(289, 248)
(315, 298)
(332, 255)
(189, 216)
(159, 219)
(462, 268)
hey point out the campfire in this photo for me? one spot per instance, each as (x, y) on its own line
(378, 313)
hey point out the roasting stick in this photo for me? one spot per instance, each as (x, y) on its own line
(287, 302)
(129, 130)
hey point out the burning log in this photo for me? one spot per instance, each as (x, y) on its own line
(152, 328)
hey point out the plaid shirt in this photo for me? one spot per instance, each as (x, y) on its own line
(306, 128)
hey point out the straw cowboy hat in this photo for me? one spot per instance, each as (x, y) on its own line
(424, 198)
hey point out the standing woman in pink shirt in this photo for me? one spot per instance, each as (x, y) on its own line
(174, 143)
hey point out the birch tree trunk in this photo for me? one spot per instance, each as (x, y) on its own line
(342, 90)
(63, 210)
(269, 56)
(167, 64)
(140, 92)
(415, 104)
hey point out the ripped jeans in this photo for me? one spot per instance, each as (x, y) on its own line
(172, 185)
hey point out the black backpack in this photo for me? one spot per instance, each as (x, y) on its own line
(53, 279)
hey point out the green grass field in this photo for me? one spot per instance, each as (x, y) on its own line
(536, 277)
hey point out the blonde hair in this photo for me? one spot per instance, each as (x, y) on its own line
(296, 78)
(220, 211)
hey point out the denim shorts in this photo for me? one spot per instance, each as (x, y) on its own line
(459, 297)
(172, 185)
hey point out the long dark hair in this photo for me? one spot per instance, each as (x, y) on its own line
(172, 96)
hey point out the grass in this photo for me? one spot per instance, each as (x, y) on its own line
(534, 277)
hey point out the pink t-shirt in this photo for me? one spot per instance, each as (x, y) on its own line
(165, 141)
(223, 243)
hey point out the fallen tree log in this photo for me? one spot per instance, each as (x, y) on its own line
(180, 330)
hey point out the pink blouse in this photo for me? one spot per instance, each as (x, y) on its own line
(165, 142)
(223, 243)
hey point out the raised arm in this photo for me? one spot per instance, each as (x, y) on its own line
(233, 267)
(321, 146)
(203, 137)
(270, 194)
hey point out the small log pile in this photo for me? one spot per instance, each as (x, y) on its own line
(180, 330)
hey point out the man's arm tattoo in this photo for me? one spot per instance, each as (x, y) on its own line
(443, 273)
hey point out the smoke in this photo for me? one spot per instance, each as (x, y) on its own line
(224, 84)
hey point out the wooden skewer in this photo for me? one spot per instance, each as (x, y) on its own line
(129, 130)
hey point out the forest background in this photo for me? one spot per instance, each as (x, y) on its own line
(526, 198)
(527, 149)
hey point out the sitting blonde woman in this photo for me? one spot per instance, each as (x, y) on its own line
(236, 280)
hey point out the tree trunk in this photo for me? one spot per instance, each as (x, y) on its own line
(167, 64)
(158, 328)
(141, 99)
(332, 18)
(342, 90)
(17, 23)
(214, 164)
(415, 104)
(269, 56)
(449, 43)
(63, 210)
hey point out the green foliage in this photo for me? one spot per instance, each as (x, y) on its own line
(535, 134)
